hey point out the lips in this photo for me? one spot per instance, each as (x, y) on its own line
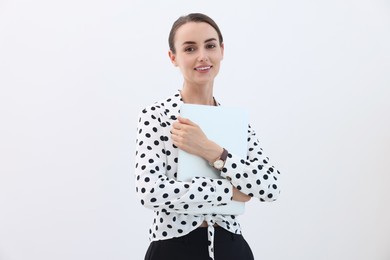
(203, 68)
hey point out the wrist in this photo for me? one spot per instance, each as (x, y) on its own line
(219, 163)
(212, 152)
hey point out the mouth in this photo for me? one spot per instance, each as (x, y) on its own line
(203, 68)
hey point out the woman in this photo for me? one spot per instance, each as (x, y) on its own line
(197, 48)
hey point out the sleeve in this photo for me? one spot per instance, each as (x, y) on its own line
(153, 186)
(254, 176)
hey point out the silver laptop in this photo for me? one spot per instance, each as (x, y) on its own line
(228, 127)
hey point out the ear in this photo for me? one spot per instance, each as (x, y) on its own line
(172, 57)
(222, 49)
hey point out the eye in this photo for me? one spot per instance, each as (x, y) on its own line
(189, 49)
(211, 46)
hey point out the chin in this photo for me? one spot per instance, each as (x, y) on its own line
(204, 82)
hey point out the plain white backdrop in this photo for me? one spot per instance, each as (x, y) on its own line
(315, 76)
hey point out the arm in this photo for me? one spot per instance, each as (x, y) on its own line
(155, 168)
(253, 175)
(189, 136)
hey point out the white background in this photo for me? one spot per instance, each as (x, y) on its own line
(74, 74)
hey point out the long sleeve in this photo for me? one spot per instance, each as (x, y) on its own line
(156, 168)
(254, 175)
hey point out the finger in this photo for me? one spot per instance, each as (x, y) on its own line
(186, 121)
(176, 125)
(183, 120)
(176, 140)
(175, 132)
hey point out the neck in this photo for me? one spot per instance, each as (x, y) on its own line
(201, 95)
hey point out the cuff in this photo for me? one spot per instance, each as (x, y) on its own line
(224, 191)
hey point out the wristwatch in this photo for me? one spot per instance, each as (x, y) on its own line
(220, 162)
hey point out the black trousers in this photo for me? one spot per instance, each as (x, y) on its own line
(194, 246)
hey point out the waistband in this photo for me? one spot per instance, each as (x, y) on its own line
(199, 236)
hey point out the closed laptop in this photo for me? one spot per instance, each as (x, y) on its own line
(228, 127)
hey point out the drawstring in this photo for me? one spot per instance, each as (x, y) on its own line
(210, 235)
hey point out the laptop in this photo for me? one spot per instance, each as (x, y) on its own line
(228, 127)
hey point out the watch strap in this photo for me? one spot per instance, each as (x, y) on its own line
(221, 159)
(224, 155)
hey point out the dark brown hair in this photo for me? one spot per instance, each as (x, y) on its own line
(193, 17)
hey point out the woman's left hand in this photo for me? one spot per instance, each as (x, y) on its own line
(189, 137)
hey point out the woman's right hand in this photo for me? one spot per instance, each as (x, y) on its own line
(239, 196)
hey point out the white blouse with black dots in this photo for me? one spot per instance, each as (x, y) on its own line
(157, 188)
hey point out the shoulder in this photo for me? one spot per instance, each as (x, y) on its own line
(162, 106)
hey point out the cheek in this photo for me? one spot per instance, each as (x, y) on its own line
(217, 57)
(186, 64)
(185, 67)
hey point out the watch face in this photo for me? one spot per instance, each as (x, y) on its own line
(219, 164)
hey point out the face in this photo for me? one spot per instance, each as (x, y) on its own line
(198, 52)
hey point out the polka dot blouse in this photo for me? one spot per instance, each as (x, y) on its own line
(157, 188)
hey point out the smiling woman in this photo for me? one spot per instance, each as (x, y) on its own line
(197, 48)
(197, 51)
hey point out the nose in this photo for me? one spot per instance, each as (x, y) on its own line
(202, 56)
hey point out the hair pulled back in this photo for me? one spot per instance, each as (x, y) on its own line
(192, 17)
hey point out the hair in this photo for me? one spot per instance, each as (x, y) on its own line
(193, 17)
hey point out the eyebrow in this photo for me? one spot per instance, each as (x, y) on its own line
(192, 42)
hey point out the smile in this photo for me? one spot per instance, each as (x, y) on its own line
(205, 68)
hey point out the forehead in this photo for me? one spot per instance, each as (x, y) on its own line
(195, 32)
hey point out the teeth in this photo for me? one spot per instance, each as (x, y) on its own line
(203, 68)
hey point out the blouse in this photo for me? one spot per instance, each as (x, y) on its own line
(158, 189)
